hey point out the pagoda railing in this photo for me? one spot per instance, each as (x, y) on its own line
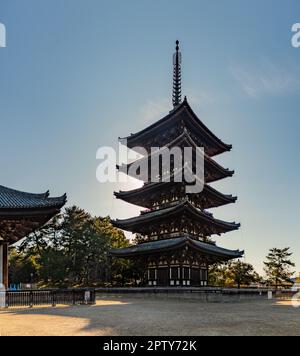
(52, 297)
(172, 235)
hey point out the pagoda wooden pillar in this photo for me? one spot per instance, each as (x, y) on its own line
(5, 265)
(1, 265)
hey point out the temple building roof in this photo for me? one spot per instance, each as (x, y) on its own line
(14, 199)
(22, 213)
(161, 246)
(184, 117)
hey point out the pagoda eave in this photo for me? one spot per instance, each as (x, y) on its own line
(212, 170)
(161, 246)
(216, 146)
(208, 177)
(176, 212)
(141, 196)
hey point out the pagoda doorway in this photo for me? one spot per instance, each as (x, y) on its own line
(163, 276)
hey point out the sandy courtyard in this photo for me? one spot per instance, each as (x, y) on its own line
(152, 316)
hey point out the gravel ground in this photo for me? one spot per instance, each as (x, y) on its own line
(123, 315)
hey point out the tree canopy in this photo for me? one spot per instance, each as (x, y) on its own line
(72, 249)
(278, 266)
(233, 274)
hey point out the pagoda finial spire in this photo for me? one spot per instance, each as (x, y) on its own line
(177, 76)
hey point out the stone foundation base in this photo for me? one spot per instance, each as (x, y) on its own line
(212, 295)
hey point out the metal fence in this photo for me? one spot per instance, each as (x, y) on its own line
(30, 298)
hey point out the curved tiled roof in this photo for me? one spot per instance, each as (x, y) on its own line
(150, 187)
(220, 146)
(159, 245)
(184, 138)
(131, 224)
(14, 199)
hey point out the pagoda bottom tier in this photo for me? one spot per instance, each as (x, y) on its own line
(180, 261)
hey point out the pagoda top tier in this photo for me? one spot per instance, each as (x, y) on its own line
(181, 118)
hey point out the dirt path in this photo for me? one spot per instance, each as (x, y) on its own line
(135, 316)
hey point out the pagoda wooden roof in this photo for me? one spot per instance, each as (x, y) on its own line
(160, 246)
(212, 170)
(141, 195)
(22, 213)
(176, 211)
(184, 115)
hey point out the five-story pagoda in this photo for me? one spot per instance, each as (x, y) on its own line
(175, 245)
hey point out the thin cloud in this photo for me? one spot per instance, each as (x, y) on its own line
(266, 78)
(156, 109)
(199, 98)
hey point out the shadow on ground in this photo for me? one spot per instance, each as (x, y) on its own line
(120, 315)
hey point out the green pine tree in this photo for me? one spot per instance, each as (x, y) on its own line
(278, 266)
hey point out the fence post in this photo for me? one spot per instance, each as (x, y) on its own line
(53, 298)
(5, 301)
(31, 299)
(94, 296)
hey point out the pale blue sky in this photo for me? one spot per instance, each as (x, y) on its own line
(76, 74)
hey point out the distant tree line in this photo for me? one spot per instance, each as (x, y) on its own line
(278, 271)
(73, 250)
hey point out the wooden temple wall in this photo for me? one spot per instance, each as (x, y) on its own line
(177, 275)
